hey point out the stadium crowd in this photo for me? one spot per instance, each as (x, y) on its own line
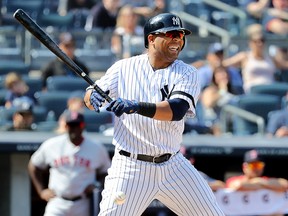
(246, 77)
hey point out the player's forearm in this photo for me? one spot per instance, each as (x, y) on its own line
(275, 184)
(36, 177)
(163, 111)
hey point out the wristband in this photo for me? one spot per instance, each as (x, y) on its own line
(147, 109)
(89, 87)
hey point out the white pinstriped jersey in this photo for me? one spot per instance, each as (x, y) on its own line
(72, 167)
(135, 79)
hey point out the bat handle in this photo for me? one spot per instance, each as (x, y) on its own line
(102, 93)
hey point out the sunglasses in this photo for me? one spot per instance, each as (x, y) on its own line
(172, 34)
(256, 165)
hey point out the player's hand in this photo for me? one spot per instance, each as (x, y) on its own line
(47, 194)
(120, 106)
(96, 100)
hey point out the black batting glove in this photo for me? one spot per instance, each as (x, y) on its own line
(120, 106)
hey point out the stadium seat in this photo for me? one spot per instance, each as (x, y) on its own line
(17, 66)
(3, 93)
(31, 7)
(260, 105)
(64, 83)
(98, 122)
(35, 84)
(40, 114)
(53, 101)
(278, 89)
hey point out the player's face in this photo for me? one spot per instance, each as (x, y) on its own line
(254, 169)
(168, 45)
(75, 130)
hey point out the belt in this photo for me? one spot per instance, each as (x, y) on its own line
(148, 158)
(72, 198)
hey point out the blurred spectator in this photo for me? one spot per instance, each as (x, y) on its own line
(127, 39)
(215, 96)
(252, 178)
(79, 4)
(281, 55)
(213, 183)
(257, 66)
(277, 124)
(275, 20)
(103, 15)
(255, 9)
(74, 103)
(214, 58)
(17, 88)
(66, 6)
(23, 117)
(57, 67)
(146, 8)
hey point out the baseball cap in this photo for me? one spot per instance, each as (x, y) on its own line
(252, 156)
(215, 47)
(73, 117)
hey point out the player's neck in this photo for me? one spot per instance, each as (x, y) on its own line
(77, 141)
(156, 63)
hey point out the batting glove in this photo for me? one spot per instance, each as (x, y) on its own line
(96, 100)
(120, 106)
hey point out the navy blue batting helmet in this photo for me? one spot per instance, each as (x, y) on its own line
(163, 23)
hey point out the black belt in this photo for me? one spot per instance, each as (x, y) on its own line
(72, 198)
(148, 158)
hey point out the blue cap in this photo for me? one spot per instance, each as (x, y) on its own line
(252, 156)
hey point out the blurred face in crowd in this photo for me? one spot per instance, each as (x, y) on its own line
(68, 49)
(19, 87)
(280, 4)
(22, 120)
(112, 5)
(253, 169)
(215, 59)
(220, 76)
(75, 104)
(257, 44)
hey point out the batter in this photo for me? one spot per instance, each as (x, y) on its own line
(153, 93)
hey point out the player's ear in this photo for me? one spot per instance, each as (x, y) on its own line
(150, 38)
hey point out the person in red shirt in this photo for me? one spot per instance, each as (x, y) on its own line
(252, 178)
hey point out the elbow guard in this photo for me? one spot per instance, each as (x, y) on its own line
(179, 108)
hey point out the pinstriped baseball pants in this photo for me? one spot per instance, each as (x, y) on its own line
(175, 183)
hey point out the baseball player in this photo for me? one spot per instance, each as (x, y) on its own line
(73, 161)
(153, 93)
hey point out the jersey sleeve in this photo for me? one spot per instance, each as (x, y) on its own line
(39, 157)
(188, 88)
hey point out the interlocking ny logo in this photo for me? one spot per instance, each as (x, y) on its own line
(176, 21)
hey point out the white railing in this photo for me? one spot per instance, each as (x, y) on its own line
(229, 110)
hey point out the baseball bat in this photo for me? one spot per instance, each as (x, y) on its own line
(45, 39)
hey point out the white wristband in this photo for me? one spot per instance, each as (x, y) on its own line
(89, 87)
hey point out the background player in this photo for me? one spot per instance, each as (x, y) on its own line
(74, 162)
(147, 164)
